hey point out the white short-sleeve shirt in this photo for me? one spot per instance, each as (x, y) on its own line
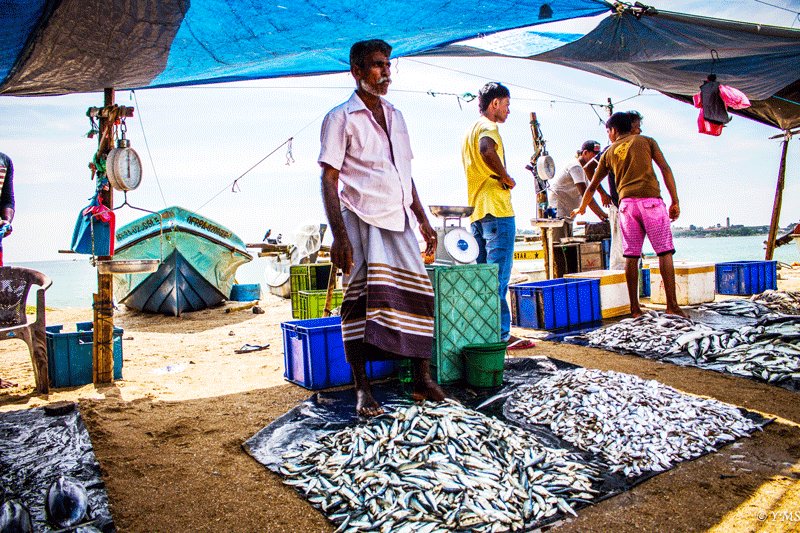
(564, 195)
(376, 189)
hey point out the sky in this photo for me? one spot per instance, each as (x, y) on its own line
(195, 141)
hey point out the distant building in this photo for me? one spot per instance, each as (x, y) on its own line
(728, 222)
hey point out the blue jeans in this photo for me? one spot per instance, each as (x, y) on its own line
(495, 238)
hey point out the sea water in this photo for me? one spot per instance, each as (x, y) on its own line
(74, 281)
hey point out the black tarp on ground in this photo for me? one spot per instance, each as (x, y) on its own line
(36, 448)
(326, 412)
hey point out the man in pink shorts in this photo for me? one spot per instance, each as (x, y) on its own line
(641, 209)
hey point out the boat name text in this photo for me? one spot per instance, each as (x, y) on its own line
(144, 225)
(209, 227)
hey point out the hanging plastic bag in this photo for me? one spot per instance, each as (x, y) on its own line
(94, 230)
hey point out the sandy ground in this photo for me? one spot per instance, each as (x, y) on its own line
(169, 442)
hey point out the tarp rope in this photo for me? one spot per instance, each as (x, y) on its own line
(147, 147)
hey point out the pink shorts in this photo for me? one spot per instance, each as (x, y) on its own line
(645, 216)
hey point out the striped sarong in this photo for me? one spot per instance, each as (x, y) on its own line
(387, 309)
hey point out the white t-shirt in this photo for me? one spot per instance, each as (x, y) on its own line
(564, 194)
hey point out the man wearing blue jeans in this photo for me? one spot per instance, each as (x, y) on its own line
(489, 190)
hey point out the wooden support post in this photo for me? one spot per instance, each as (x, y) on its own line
(103, 349)
(776, 207)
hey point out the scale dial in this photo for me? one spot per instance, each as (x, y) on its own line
(461, 245)
(546, 167)
(124, 168)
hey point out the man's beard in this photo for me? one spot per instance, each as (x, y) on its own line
(378, 89)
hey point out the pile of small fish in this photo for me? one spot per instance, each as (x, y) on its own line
(768, 349)
(636, 425)
(652, 334)
(438, 467)
(784, 302)
(771, 352)
(737, 307)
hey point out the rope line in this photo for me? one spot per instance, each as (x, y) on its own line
(147, 147)
(289, 159)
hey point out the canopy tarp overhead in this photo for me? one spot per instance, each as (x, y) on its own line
(672, 53)
(65, 46)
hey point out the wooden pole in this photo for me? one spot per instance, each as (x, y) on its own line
(103, 349)
(541, 196)
(776, 207)
(329, 296)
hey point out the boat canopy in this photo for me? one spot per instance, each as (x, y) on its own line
(50, 47)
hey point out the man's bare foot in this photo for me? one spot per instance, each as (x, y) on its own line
(676, 311)
(427, 389)
(366, 405)
(636, 312)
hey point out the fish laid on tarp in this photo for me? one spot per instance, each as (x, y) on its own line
(15, 518)
(636, 425)
(737, 307)
(768, 350)
(784, 302)
(67, 502)
(652, 334)
(438, 467)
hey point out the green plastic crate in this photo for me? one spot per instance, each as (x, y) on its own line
(467, 311)
(312, 303)
(311, 277)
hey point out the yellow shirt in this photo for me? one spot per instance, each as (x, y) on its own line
(484, 193)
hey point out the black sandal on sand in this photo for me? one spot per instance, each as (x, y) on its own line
(247, 348)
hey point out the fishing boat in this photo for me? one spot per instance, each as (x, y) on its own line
(198, 260)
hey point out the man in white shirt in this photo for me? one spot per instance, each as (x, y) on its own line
(568, 186)
(371, 203)
(566, 192)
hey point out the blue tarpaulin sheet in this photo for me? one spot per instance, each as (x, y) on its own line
(63, 46)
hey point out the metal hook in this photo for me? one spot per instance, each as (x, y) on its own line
(160, 221)
(714, 60)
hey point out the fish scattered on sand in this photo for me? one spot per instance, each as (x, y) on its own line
(438, 467)
(636, 425)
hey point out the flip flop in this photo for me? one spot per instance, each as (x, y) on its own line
(521, 344)
(247, 348)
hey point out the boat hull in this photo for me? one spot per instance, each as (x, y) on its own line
(198, 258)
(175, 288)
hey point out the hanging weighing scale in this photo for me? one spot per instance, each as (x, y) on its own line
(123, 166)
(455, 245)
(124, 172)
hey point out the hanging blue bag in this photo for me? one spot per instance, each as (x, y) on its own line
(94, 230)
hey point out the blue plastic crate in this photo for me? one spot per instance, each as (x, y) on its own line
(746, 277)
(313, 355)
(69, 355)
(556, 303)
(644, 283)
